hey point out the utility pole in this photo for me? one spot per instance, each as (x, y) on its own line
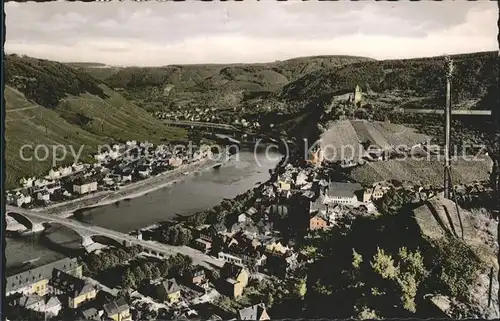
(447, 168)
(495, 157)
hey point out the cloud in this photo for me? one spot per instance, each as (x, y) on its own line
(172, 33)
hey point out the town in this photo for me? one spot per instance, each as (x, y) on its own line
(262, 162)
(262, 239)
(121, 165)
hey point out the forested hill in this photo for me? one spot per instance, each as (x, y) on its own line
(474, 74)
(300, 82)
(211, 84)
(50, 103)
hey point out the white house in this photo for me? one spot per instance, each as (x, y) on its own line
(131, 143)
(242, 218)
(175, 161)
(77, 167)
(43, 195)
(32, 302)
(301, 178)
(27, 182)
(51, 188)
(101, 156)
(53, 174)
(84, 187)
(114, 154)
(126, 177)
(226, 257)
(65, 171)
(137, 234)
(146, 144)
(277, 248)
(53, 306)
(19, 199)
(374, 193)
(341, 193)
(42, 182)
(206, 152)
(144, 173)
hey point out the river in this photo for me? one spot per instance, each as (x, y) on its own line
(196, 192)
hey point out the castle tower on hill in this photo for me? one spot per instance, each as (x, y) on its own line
(358, 96)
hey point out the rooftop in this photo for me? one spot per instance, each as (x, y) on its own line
(171, 286)
(231, 271)
(253, 312)
(115, 307)
(17, 281)
(342, 189)
(28, 300)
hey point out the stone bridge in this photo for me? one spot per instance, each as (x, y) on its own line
(32, 224)
(89, 232)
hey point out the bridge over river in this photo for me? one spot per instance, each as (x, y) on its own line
(87, 231)
(226, 128)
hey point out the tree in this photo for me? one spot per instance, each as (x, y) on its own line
(220, 216)
(405, 276)
(139, 273)
(164, 268)
(197, 219)
(412, 273)
(300, 288)
(321, 289)
(393, 201)
(364, 313)
(185, 237)
(383, 264)
(128, 280)
(155, 272)
(357, 259)
(458, 266)
(96, 263)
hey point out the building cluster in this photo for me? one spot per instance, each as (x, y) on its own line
(248, 239)
(189, 295)
(59, 289)
(197, 114)
(119, 165)
(207, 115)
(329, 201)
(60, 286)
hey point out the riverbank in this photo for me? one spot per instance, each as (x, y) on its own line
(194, 193)
(129, 191)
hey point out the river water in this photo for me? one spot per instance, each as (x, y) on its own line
(196, 192)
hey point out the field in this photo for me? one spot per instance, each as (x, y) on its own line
(422, 171)
(349, 134)
(341, 141)
(83, 121)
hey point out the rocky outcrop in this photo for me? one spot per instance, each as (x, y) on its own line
(439, 218)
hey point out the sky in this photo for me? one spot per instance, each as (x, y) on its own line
(160, 33)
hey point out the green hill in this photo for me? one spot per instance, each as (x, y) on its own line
(306, 80)
(221, 86)
(473, 77)
(49, 103)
